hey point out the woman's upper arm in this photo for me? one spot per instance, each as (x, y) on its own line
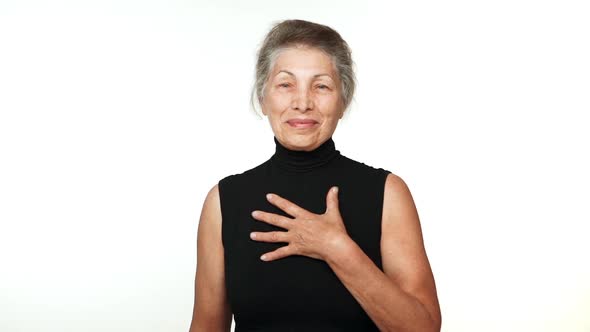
(403, 254)
(211, 310)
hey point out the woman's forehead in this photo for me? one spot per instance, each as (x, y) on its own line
(309, 72)
(303, 55)
(300, 63)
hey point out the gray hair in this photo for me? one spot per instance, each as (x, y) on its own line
(300, 33)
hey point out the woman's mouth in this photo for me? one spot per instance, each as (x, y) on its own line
(302, 123)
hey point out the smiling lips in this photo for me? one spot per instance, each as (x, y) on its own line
(302, 123)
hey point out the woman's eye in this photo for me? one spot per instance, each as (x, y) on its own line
(284, 85)
(323, 87)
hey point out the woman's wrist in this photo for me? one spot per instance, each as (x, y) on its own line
(340, 249)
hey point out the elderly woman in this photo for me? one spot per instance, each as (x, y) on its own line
(310, 240)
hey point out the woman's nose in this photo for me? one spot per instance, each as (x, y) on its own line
(302, 101)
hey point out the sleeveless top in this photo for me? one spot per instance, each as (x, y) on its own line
(297, 293)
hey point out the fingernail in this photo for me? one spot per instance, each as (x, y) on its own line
(335, 189)
(268, 196)
(253, 235)
(263, 257)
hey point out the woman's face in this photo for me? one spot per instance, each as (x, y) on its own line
(302, 100)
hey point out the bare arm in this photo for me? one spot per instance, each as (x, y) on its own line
(211, 310)
(402, 297)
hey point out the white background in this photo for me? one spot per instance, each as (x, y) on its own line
(117, 117)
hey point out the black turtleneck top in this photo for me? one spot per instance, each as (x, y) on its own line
(297, 293)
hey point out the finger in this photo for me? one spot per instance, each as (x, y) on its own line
(283, 251)
(269, 236)
(332, 200)
(272, 218)
(286, 205)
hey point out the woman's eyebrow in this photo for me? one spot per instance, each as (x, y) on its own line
(314, 76)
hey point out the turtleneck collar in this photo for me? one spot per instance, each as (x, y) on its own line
(302, 161)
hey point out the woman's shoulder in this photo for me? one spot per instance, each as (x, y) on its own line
(248, 172)
(243, 178)
(354, 165)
